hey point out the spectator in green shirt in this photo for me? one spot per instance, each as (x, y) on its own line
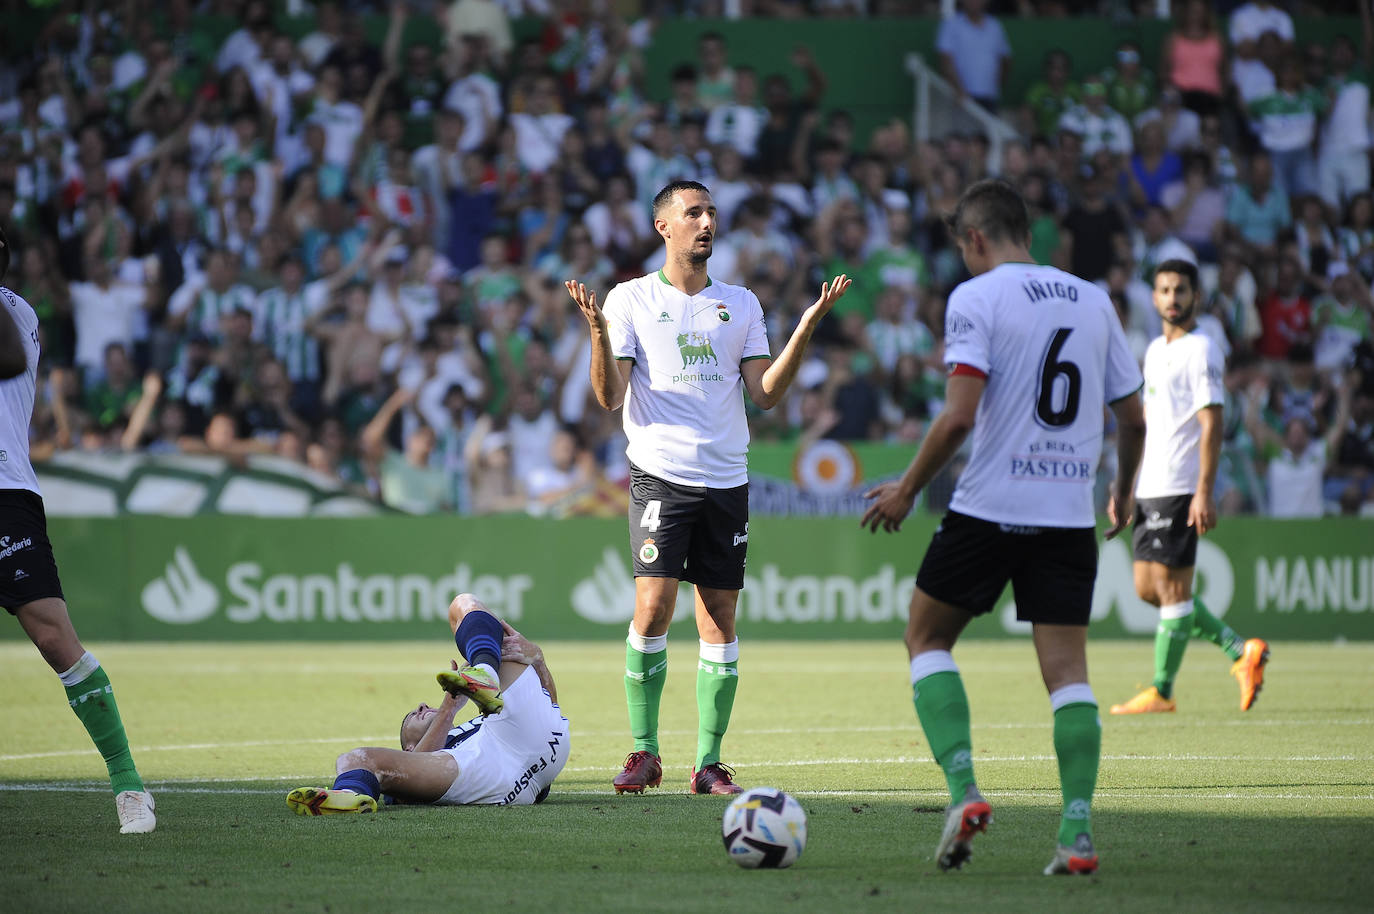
(1047, 100)
(1130, 87)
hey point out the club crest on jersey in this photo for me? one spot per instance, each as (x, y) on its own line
(648, 553)
(722, 314)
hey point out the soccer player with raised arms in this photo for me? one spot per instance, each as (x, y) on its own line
(1033, 354)
(1184, 394)
(29, 585)
(679, 351)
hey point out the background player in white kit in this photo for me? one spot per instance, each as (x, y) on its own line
(29, 584)
(510, 756)
(1184, 393)
(1033, 354)
(679, 350)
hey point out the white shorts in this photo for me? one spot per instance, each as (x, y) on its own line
(515, 754)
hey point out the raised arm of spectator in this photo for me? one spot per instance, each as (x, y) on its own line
(373, 437)
(1263, 436)
(57, 399)
(143, 411)
(816, 83)
(395, 28)
(1345, 393)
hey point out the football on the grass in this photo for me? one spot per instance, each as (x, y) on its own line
(764, 828)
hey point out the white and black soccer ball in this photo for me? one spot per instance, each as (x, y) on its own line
(764, 828)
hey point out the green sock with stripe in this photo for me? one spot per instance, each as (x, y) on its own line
(1207, 627)
(717, 681)
(92, 698)
(1078, 747)
(942, 707)
(646, 671)
(1171, 640)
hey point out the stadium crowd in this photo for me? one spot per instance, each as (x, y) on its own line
(349, 251)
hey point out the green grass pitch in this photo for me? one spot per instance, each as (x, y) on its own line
(1207, 809)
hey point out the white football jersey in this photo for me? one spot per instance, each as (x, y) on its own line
(684, 410)
(1181, 378)
(510, 757)
(1054, 353)
(16, 401)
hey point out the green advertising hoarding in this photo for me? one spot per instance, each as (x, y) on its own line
(236, 578)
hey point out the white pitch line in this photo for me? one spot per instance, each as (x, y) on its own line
(934, 794)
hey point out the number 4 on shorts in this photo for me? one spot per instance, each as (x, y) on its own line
(650, 519)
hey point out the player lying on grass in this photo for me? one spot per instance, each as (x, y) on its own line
(508, 755)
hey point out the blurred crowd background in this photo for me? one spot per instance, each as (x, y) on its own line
(338, 233)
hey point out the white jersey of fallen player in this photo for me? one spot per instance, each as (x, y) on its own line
(1054, 353)
(684, 410)
(510, 757)
(16, 401)
(1181, 378)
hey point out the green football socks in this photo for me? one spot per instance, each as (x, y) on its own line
(942, 706)
(92, 698)
(1078, 746)
(1207, 627)
(646, 671)
(717, 680)
(1171, 640)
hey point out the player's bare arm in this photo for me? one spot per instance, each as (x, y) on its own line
(519, 649)
(1202, 511)
(13, 360)
(892, 501)
(610, 377)
(1130, 444)
(442, 721)
(767, 381)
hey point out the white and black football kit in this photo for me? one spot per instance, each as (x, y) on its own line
(1181, 378)
(28, 571)
(685, 421)
(1053, 353)
(512, 757)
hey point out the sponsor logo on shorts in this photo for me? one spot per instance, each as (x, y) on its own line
(1156, 522)
(20, 574)
(648, 553)
(742, 537)
(8, 548)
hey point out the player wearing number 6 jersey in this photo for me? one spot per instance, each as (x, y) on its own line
(1033, 354)
(680, 350)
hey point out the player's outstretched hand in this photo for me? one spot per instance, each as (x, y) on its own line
(890, 507)
(586, 302)
(832, 292)
(1119, 509)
